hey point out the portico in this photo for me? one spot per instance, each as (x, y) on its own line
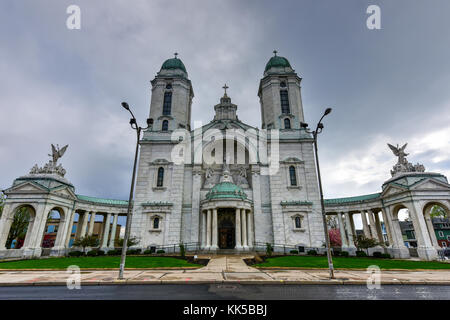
(227, 219)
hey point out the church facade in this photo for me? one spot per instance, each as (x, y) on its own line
(224, 194)
(225, 185)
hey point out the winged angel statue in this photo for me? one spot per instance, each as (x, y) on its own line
(402, 164)
(51, 167)
(57, 153)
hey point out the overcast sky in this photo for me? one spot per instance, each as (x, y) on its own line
(65, 86)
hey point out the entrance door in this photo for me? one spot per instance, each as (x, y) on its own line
(226, 228)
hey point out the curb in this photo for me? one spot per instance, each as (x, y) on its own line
(244, 282)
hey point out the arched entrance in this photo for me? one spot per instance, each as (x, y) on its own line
(227, 230)
(436, 216)
(20, 223)
(52, 229)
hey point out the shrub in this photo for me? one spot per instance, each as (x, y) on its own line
(100, 252)
(114, 252)
(376, 254)
(386, 256)
(337, 253)
(92, 253)
(134, 251)
(312, 252)
(293, 252)
(360, 253)
(76, 254)
(344, 253)
(182, 250)
(269, 249)
(160, 251)
(148, 251)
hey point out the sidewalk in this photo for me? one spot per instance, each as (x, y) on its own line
(221, 269)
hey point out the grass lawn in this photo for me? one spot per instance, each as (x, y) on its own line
(349, 263)
(97, 262)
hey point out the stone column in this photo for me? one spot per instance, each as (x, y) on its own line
(203, 245)
(214, 230)
(244, 228)
(79, 225)
(431, 231)
(208, 229)
(425, 248)
(373, 229)
(365, 224)
(399, 249)
(250, 233)
(5, 225)
(84, 225)
(91, 224)
(113, 230)
(69, 232)
(107, 223)
(352, 225)
(342, 231)
(378, 227)
(387, 226)
(238, 229)
(349, 230)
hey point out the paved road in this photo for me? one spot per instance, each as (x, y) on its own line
(229, 292)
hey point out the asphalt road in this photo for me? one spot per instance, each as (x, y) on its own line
(228, 292)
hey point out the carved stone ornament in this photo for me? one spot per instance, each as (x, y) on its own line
(402, 164)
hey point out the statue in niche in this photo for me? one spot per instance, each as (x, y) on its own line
(242, 177)
(210, 178)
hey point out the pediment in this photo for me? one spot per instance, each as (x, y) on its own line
(392, 190)
(27, 187)
(64, 192)
(430, 184)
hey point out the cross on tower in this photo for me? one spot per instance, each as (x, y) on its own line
(225, 87)
(275, 52)
(176, 53)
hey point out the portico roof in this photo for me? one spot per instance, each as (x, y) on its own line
(356, 199)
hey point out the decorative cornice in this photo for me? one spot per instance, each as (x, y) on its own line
(296, 203)
(157, 204)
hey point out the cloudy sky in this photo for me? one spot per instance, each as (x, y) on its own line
(65, 86)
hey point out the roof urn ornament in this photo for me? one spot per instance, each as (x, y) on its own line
(402, 164)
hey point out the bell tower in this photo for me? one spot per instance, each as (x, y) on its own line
(172, 93)
(280, 95)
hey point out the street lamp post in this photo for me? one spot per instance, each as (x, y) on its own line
(138, 129)
(318, 130)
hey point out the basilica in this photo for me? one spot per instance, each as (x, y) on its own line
(227, 186)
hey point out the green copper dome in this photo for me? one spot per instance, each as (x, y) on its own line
(226, 190)
(173, 63)
(277, 62)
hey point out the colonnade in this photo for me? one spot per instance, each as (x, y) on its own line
(371, 227)
(85, 226)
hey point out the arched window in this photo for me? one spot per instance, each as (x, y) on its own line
(165, 125)
(156, 223)
(169, 86)
(298, 222)
(160, 180)
(283, 84)
(292, 176)
(284, 98)
(167, 104)
(287, 123)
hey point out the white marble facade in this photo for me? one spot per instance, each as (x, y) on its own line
(180, 202)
